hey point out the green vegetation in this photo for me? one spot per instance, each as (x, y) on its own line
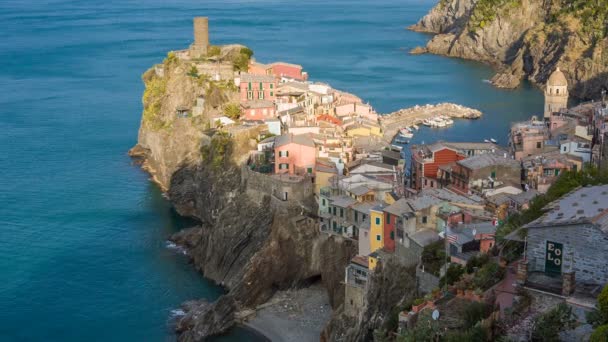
(193, 72)
(241, 62)
(433, 257)
(600, 334)
(592, 14)
(485, 12)
(171, 58)
(232, 110)
(488, 275)
(475, 312)
(453, 274)
(548, 325)
(476, 262)
(218, 151)
(156, 88)
(214, 51)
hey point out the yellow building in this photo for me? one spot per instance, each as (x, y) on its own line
(324, 170)
(373, 261)
(376, 231)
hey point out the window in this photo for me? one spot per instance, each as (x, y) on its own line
(250, 95)
(323, 201)
(364, 217)
(377, 220)
(335, 225)
(565, 148)
(424, 219)
(283, 153)
(378, 237)
(249, 86)
(309, 170)
(341, 212)
(271, 93)
(432, 184)
(271, 86)
(493, 175)
(283, 166)
(356, 216)
(261, 86)
(260, 95)
(538, 144)
(392, 235)
(388, 218)
(334, 210)
(365, 234)
(425, 182)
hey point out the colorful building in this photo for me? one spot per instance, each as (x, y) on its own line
(257, 87)
(294, 154)
(376, 236)
(426, 160)
(259, 110)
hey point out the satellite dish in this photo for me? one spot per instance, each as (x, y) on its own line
(435, 314)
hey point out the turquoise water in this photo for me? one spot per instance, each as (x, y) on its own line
(83, 252)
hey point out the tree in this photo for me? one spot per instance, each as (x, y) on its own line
(214, 50)
(233, 111)
(548, 325)
(600, 334)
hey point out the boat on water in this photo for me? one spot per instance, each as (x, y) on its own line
(439, 122)
(402, 141)
(486, 140)
(427, 122)
(415, 127)
(396, 148)
(406, 133)
(448, 121)
(493, 140)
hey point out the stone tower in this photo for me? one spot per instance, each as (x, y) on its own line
(201, 37)
(556, 93)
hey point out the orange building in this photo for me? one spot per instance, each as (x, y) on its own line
(426, 160)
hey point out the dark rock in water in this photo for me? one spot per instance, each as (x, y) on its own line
(203, 319)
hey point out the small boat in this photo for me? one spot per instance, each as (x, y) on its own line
(396, 147)
(493, 140)
(448, 121)
(427, 122)
(415, 127)
(406, 133)
(402, 141)
(440, 123)
(486, 140)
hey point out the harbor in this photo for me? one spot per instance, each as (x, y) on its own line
(401, 126)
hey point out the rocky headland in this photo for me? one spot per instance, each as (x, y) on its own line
(248, 241)
(525, 39)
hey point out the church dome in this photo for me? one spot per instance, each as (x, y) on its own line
(557, 78)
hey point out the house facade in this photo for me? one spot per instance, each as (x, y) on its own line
(257, 87)
(425, 163)
(294, 154)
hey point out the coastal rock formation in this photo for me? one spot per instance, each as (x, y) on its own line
(249, 241)
(525, 39)
(390, 288)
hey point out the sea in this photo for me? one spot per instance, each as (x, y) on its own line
(83, 232)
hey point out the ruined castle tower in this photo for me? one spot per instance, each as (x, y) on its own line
(556, 93)
(201, 37)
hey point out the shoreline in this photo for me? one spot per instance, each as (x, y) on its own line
(292, 315)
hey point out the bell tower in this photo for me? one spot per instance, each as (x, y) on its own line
(556, 93)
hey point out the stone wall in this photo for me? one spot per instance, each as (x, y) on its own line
(426, 281)
(353, 300)
(408, 252)
(300, 192)
(584, 247)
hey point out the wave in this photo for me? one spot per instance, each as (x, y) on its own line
(177, 248)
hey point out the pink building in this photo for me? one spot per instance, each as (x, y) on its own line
(278, 70)
(282, 69)
(257, 87)
(294, 154)
(258, 110)
(528, 138)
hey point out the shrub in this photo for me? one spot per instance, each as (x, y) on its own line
(475, 312)
(477, 261)
(241, 62)
(247, 52)
(233, 111)
(599, 316)
(433, 257)
(452, 275)
(488, 275)
(548, 325)
(171, 58)
(193, 72)
(418, 301)
(214, 50)
(600, 334)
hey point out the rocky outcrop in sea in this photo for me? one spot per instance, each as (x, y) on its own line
(522, 39)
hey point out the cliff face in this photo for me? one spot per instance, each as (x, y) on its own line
(524, 39)
(248, 241)
(390, 287)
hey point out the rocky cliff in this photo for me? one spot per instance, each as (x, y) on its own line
(526, 39)
(248, 240)
(391, 289)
